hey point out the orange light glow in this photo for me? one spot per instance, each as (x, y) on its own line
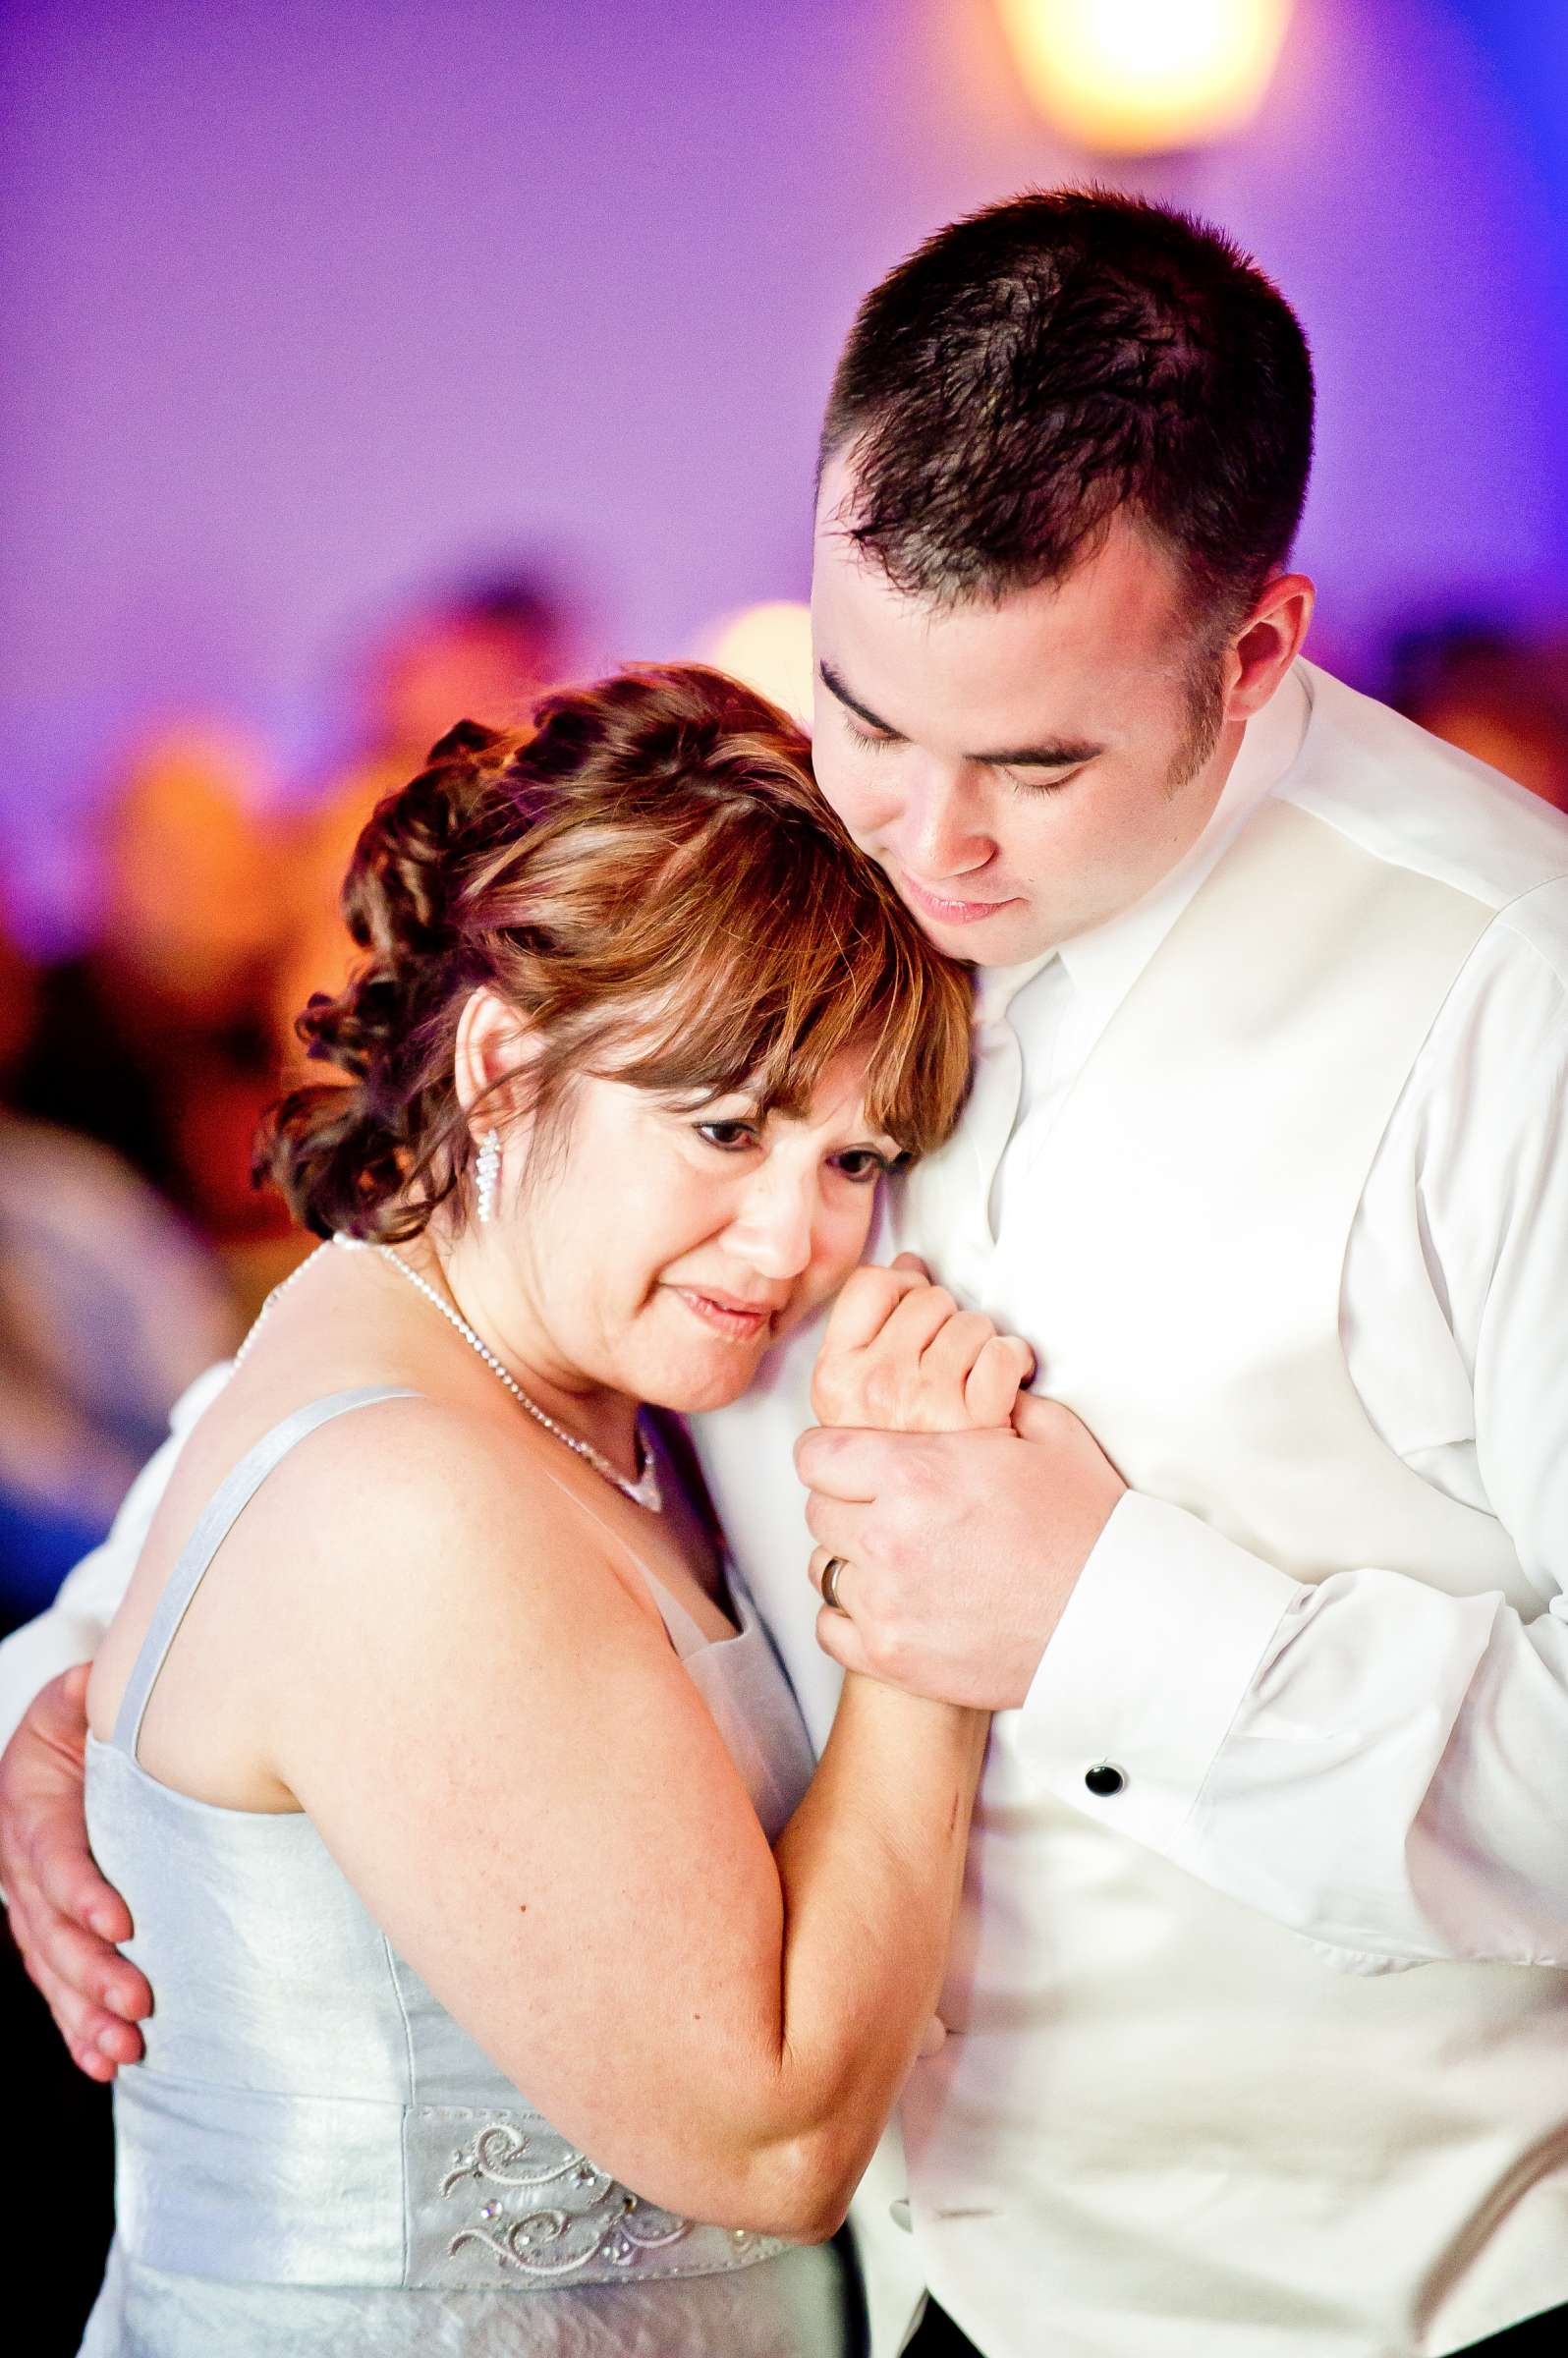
(1144, 76)
(769, 648)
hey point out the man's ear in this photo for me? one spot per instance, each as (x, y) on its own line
(1267, 644)
(494, 1047)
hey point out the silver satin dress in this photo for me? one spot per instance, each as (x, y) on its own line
(313, 2157)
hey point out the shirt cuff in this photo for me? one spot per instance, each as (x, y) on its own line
(1148, 1667)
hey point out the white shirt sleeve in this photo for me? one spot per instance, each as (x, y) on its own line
(1371, 1760)
(70, 1629)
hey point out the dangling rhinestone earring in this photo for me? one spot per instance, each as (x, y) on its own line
(487, 1176)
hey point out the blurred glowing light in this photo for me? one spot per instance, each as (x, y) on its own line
(1144, 76)
(769, 648)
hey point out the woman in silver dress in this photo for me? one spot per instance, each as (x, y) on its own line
(518, 1987)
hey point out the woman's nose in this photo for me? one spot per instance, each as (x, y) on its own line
(773, 1229)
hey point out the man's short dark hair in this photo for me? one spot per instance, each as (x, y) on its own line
(1045, 364)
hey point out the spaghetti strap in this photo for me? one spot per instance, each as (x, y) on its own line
(685, 1632)
(217, 1519)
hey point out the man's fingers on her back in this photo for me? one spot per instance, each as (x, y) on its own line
(98, 2041)
(67, 1878)
(59, 1710)
(70, 1689)
(94, 1968)
(55, 1725)
(43, 1835)
(49, 1853)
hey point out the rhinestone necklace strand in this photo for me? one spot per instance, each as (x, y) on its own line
(645, 1492)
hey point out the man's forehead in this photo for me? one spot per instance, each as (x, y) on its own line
(1047, 658)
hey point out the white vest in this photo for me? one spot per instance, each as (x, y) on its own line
(1165, 2126)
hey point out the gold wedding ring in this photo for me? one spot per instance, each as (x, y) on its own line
(834, 1565)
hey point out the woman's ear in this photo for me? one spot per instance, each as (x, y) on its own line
(494, 1045)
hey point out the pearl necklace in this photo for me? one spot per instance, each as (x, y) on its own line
(645, 1492)
(276, 1295)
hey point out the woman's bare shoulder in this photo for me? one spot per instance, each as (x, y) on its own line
(410, 1517)
(452, 1495)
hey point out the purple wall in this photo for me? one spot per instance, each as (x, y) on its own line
(308, 303)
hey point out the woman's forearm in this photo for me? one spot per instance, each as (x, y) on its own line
(870, 1867)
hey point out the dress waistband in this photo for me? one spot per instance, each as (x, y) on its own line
(243, 2186)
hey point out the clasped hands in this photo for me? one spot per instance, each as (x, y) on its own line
(961, 1507)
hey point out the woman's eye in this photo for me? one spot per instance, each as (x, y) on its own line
(861, 1164)
(728, 1137)
(865, 736)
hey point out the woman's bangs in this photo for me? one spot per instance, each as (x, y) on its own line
(762, 969)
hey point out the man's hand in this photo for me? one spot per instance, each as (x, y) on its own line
(65, 1916)
(960, 1548)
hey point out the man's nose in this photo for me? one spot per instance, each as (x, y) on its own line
(773, 1229)
(939, 836)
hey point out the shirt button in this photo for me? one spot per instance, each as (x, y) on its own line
(899, 2212)
(1104, 1779)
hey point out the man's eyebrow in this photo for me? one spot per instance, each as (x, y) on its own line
(835, 687)
(1065, 754)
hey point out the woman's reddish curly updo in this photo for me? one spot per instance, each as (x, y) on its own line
(651, 877)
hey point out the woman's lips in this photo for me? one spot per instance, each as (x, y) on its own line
(944, 911)
(738, 1320)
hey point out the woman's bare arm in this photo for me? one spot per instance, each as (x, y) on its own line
(486, 1723)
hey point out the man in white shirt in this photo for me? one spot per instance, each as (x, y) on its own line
(1259, 2003)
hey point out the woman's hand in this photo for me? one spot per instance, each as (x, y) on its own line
(899, 1355)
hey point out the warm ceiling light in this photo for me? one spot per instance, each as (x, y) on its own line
(769, 648)
(1144, 76)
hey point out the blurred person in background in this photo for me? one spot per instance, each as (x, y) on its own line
(109, 1305)
(1493, 693)
(131, 1243)
(489, 648)
(154, 1038)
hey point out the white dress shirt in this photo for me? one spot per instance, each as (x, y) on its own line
(1454, 1320)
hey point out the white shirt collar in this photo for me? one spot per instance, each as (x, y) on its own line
(1103, 963)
